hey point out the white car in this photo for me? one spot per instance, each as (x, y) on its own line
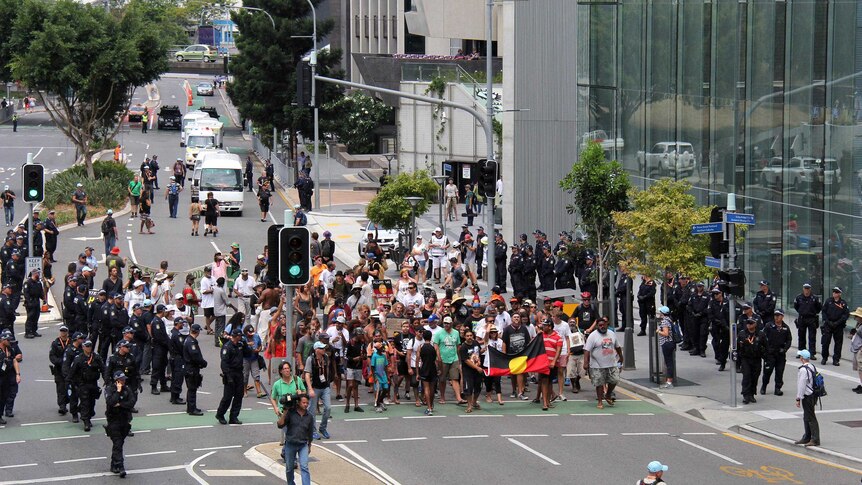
(387, 239)
(797, 172)
(669, 158)
(830, 171)
(204, 89)
(609, 145)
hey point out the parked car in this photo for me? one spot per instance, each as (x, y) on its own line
(830, 174)
(136, 113)
(197, 52)
(609, 144)
(204, 89)
(210, 110)
(387, 239)
(170, 117)
(668, 158)
(797, 172)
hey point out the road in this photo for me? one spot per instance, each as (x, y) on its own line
(517, 443)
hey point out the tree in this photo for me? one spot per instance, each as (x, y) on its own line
(600, 188)
(390, 210)
(84, 65)
(264, 83)
(353, 119)
(656, 232)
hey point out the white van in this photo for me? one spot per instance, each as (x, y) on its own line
(197, 139)
(221, 174)
(189, 118)
(214, 125)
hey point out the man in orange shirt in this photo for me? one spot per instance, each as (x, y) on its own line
(316, 270)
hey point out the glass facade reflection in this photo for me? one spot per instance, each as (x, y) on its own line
(761, 98)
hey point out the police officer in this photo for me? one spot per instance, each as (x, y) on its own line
(161, 343)
(38, 244)
(680, 294)
(68, 297)
(697, 319)
(51, 232)
(194, 362)
(33, 292)
(588, 278)
(84, 376)
(646, 302)
(719, 321)
(751, 348)
(172, 193)
(9, 403)
(120, 402)
(623, 296)
(808, 307)
(140, 332)
(118, 318)
(7, 309)
(80, 310)
(6, 252)
(546, 270)
(123, 361)
(835, 314)
(178, 371)
(516, 271)
(764, 304)
(746, 312)
(500, 251)
(72, 352)
(134, 350)
(10, 370)
(232, 354)
(778, 342)
(15, 270)
(528, 272)
(564, 270)
(55, 356)
(95, 317)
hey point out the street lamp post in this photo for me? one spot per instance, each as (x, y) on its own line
(414, 201)
(441, 180)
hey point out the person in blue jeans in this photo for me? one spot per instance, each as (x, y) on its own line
(381, 382)
(9, 206)
(172, 194)
(319, 373)
(299, 423)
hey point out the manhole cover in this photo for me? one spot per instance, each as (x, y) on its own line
(851, 424)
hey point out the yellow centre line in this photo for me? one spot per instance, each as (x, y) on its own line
(793, 454)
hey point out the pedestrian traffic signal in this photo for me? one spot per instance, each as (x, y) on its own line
(294, 256)
(34, 182)
(732, 282)
(489, 177)
(717, 244)
(303, 84)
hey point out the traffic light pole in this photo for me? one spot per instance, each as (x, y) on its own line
(489, 113)
(29, 219)
(731, 260)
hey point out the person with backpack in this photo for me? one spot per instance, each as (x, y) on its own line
(807, 392)
(172, 194)
(180, 172)
(109, 231)
(656, 470)
(668, 345)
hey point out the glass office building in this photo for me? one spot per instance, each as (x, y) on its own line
(762, 98)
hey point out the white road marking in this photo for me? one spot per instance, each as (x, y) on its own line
(473, 415)
(465, 437)
(91, 475)
(644, 434)
(232, 473)
(206, 394)
(582, 435)
(18, 466)
(381, 473)
(591, 414)
(167, 452)
(327, 442)
(11, 442)
(37, 153)
(81, 459)
(190, 468)
(66, 437)
(46, 422)
(59, 154)
(189, 427)
(417, 438)
(132, 251)
(227, 447)
(523, 435)
(216, 247)
(251, 424)
(365, 419)
(641, 414)
(535, 415)
(830, 411)
(166, 414)
(699, 434)
(714, 453)
(422, 417)
(522, 445)
(265, 403)
(141, 431)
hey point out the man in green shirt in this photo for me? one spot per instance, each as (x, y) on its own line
(288, 384)
(135, 187)
(446, 343)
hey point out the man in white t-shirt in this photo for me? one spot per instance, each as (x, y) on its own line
(207, 300)
(437, 248)
(602, 354)
(563, 330)
(412, 297)
(243, 288)
(135, 296)
(338, 338)
(420, 255)
(451, 193)
(433, 325)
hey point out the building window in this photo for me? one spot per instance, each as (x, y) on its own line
(365, 21)
(394, 27)
(376, 28)
(356, 25)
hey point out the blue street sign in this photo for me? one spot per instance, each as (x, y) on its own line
(732, 217)
(712, 262)
(706, 228)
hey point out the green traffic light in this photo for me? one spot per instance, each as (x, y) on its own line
(34, 193)
(294, 270)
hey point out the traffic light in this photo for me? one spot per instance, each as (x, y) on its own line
(303, 84)
(34, 182)
(732, 282)
(294, 256)
(489, 178)
(717, 244)
(272, 236)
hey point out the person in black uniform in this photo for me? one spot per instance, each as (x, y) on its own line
(140, 333)
(14, 272)
(500, 251)
(55, 356)
(808, 307)
(546, 270)
(95, 317)
(528, 272)
(588, 277)
(6, 252)
(33, 292)
(621, 292)
(697, 319)
(100, 324)
(835, 314)
(194, 362)
(69, 357)
(232, 354)
(778, 342)
(516, 271)
(84, 376)
(80, 310)
(119, 320)
(719, 325)
(764, 304)
(178, 371)
(746, 312)
(119, 402)
(68, 297)
(680, 295)
(7, 309)
(564, 270)
(646, 302)
(8, 404)
(161, 343)
(38, 244)
(123, 361)
(751, 348)
(10, 372)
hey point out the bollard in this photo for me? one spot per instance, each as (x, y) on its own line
(629, 344)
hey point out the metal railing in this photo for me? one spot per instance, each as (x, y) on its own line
(283, 173)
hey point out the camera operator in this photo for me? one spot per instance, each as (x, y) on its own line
(287, 387)
(299, 426)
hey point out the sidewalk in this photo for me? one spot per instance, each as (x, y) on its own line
(324, 465)
(704, 392)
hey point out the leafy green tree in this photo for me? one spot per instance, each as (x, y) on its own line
(353, 119)
(656, 232)
(84, 65)
(389, 209)
(600, 188)
(264, 83)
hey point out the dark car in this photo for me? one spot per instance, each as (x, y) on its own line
(210, 110)
(136, 112)
(170, 117)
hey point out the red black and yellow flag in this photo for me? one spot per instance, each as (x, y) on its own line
(532, 359)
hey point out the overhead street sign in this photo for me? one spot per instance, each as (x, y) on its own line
(734, 218)
(709, 228)
(713, 262)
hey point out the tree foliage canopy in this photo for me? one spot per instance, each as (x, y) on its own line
(656, 232)
(353, 119)
(390, 209)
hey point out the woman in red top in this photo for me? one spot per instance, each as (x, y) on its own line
(276, 347)
(190, 295)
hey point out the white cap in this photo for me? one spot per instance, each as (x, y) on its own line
(178, 296)
(86, 268)
(340, 319)
(170, 308)
(138, 283)
(437, 229)
(79, 184)
(110, 211)
(296, 206)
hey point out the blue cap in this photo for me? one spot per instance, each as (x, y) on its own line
(196, 327)
(236, 332)
(433, 318)
(77, 335)
(122, 343)
(804, 354)
(128, 330)
(6, 335)
(119, 376)
(319, 345)
(147, 302)
(656, 466)
(664, 310)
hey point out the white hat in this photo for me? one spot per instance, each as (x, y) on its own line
(437, 229)
(161, 277)
(86, 268)
(296, 206)
(340, 319)
(170, 308)
(110, 211)
(178, 296)
(138, 283)
(79, 184)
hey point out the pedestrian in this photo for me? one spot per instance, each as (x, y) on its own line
(69, 356)
(55, 356)
(145, 119)
(806, 399)
(288, 385)
(808, 308)
(15, 122)
(668, 346)
(51, 232)
(172, 194)
(161, 343)
(446, 343)
(33, 292)
(427, 366)
(232, 262)
(299, 217)
(9, 205)
(553, 349)
(471, 356)
(178, 367)
(319, 373)
(764, 303)
(117, 151)
(251, 362)
(603, 366)
(500, 261)
(249, 174)
(656, 471)
(719, 321)
(145, 212)
(79, 199)
(299, 425)
(84, 375)
(751, 349)
(211, 214)
(232, 353)
(220, 306)
(697, 319)
(180, 172)
(10, 373)
(119, 402)
(194, 361)
(109, 231)
(778, 342)
(263, 196)
(835, 314)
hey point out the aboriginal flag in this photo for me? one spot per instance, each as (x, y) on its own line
(532, 359)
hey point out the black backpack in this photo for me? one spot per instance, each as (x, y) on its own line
(106, 227)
